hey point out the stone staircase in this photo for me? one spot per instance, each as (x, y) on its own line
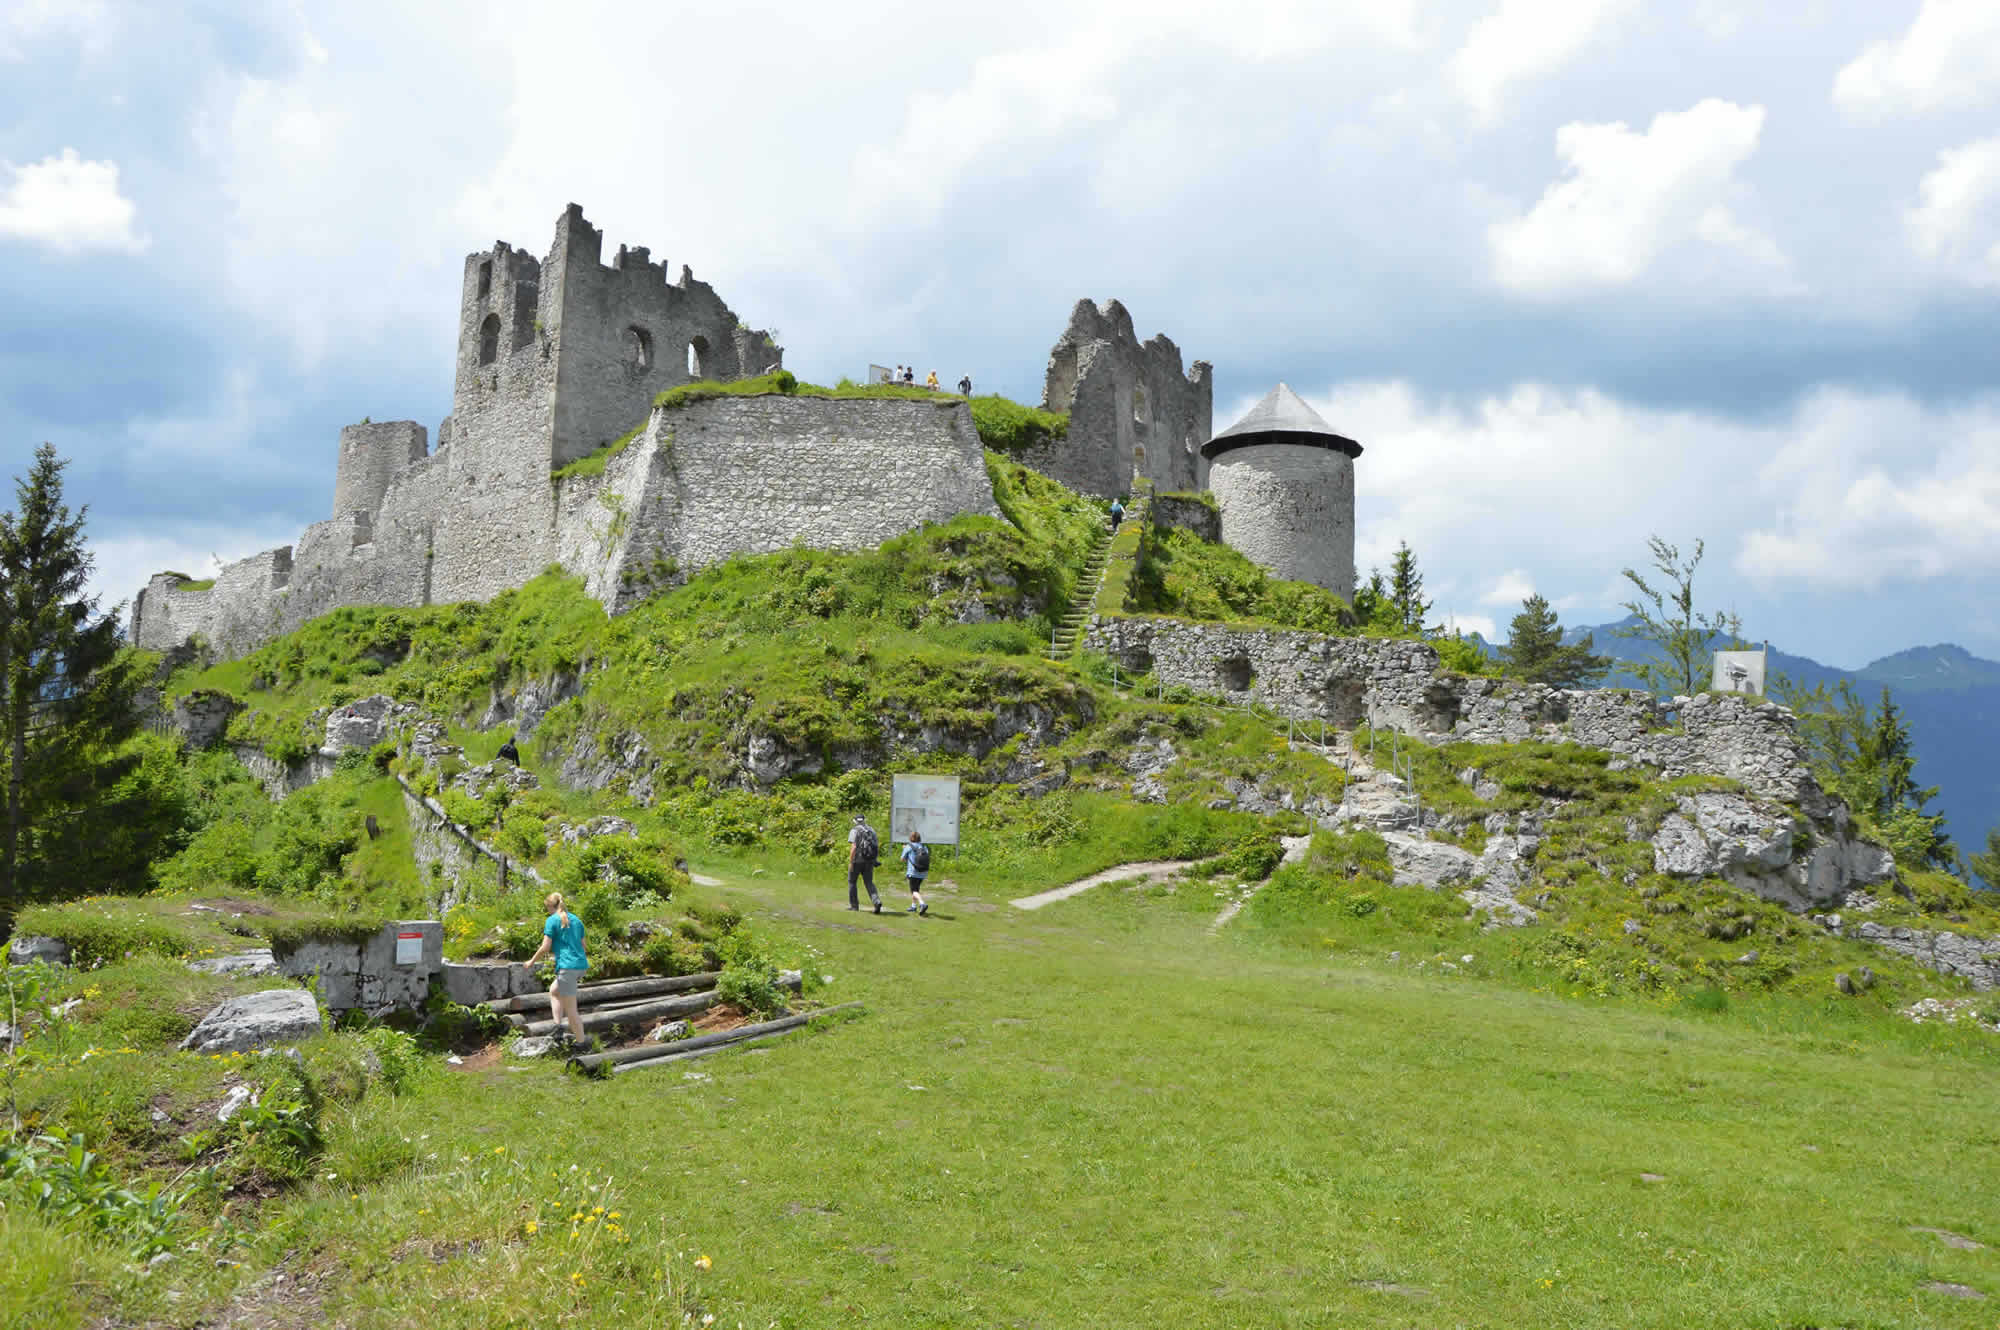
(1063, 643)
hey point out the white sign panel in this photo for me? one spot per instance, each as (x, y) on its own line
(927, 805)
(881, 374)
(409, 948)
(1739, 672)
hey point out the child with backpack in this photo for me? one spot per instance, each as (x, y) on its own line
(916, 866)
(864, 851)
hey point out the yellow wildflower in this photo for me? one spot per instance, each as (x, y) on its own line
(533, 1228)
(702, 1262)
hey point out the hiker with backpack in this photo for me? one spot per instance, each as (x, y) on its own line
(916, 866)
(864, 851)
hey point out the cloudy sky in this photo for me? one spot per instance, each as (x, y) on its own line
(1573, 271)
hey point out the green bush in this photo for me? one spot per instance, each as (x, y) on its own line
(99, 936)
(752, 987)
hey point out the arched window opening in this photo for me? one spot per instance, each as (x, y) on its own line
(639, 346)
(489, 339)
(698, 358)
(485, 279)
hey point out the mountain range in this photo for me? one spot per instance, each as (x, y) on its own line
(1950, 700)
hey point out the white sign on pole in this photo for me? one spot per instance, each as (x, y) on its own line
(409, 948)
(1739, 672)
(924, 804)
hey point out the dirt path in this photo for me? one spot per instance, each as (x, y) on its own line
(1151, 872)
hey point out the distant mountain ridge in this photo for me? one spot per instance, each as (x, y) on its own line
(1950, 699)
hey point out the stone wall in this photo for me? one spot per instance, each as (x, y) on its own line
(1290, 510)
(1186, 512)
(1131, 409)
(368, 974)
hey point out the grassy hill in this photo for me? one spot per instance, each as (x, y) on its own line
(1353, 1104)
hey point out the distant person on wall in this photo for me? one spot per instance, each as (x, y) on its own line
(511, 753)
(930, 381)
(864, 851)
(916, 867)
(965, 386)
(1117, 515)
(910, 375)
(564, 932)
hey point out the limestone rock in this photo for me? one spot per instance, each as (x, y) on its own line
(534, 1046)
(26, 949)
(1427, 863)
(360, 724)
(238, 1099)
(1975, 959)
(256, 1020)
(576, 834)
(253, 964)
(668, 1030)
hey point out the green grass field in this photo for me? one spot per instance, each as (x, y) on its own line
(1098, 1114)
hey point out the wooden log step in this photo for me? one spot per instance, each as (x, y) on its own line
(593, 994)
(640, 1013)
(631, 1057)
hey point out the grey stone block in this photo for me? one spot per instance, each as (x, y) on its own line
(26, 949)
(256, 1020)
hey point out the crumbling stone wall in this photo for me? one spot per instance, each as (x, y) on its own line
(736, 475)
(1131, 409)
(371, 457)
(1186, 512)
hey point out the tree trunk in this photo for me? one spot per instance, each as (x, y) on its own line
(721, 1038)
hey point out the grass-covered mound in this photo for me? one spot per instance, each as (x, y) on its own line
(1181, 574)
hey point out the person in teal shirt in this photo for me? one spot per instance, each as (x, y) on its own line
(563, 932)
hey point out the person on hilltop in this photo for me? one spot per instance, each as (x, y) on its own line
(965, 386)
(864, 851)
(916, 867)
(910, 375)
(511, 753)
(564, 932)
(1117, 515)
(930, 381)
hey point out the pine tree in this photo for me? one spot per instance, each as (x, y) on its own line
(1535, 650)
(1868, 761)
(1668, 619)
(1374, 610)
(1986, 867)
(1406, 590)
(65, 698)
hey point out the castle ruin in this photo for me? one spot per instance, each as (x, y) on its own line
(562, 356)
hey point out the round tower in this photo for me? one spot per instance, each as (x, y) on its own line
(1285, 483)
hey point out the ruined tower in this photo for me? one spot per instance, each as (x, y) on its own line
(568, 353)
(1285, 483)
(1132, 412)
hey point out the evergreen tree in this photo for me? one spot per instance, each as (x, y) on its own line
(1868, 761)
(1668, 619)
(1406, 591)
(1986, 867)
(65, 702)
(1535, 650)
(1374, 610)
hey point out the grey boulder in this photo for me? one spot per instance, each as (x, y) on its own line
(27, 949)
(256, 1020)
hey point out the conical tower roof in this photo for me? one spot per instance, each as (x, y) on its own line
(1282, 417)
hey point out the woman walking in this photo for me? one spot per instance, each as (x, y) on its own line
(564, 932)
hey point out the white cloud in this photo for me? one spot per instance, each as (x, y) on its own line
(1629, 196)
(1957, 222)
(1560, 489)
(23, 22)
(1511, 588)
(1876, 491)
(123, 563)
(70, 205)
(1524, 40)
(1949, 58)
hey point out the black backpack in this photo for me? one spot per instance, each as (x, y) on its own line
(920, 862)
(867, 850)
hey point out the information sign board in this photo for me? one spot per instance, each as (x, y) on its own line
(1739, 672)
(924, 804)
(409, 948)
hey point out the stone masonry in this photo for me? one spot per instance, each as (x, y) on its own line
(1398, 684)
(1131, 409)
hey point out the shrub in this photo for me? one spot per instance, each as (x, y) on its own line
(751, 986)
(97, 936)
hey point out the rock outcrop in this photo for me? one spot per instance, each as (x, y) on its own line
(256, 1020)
